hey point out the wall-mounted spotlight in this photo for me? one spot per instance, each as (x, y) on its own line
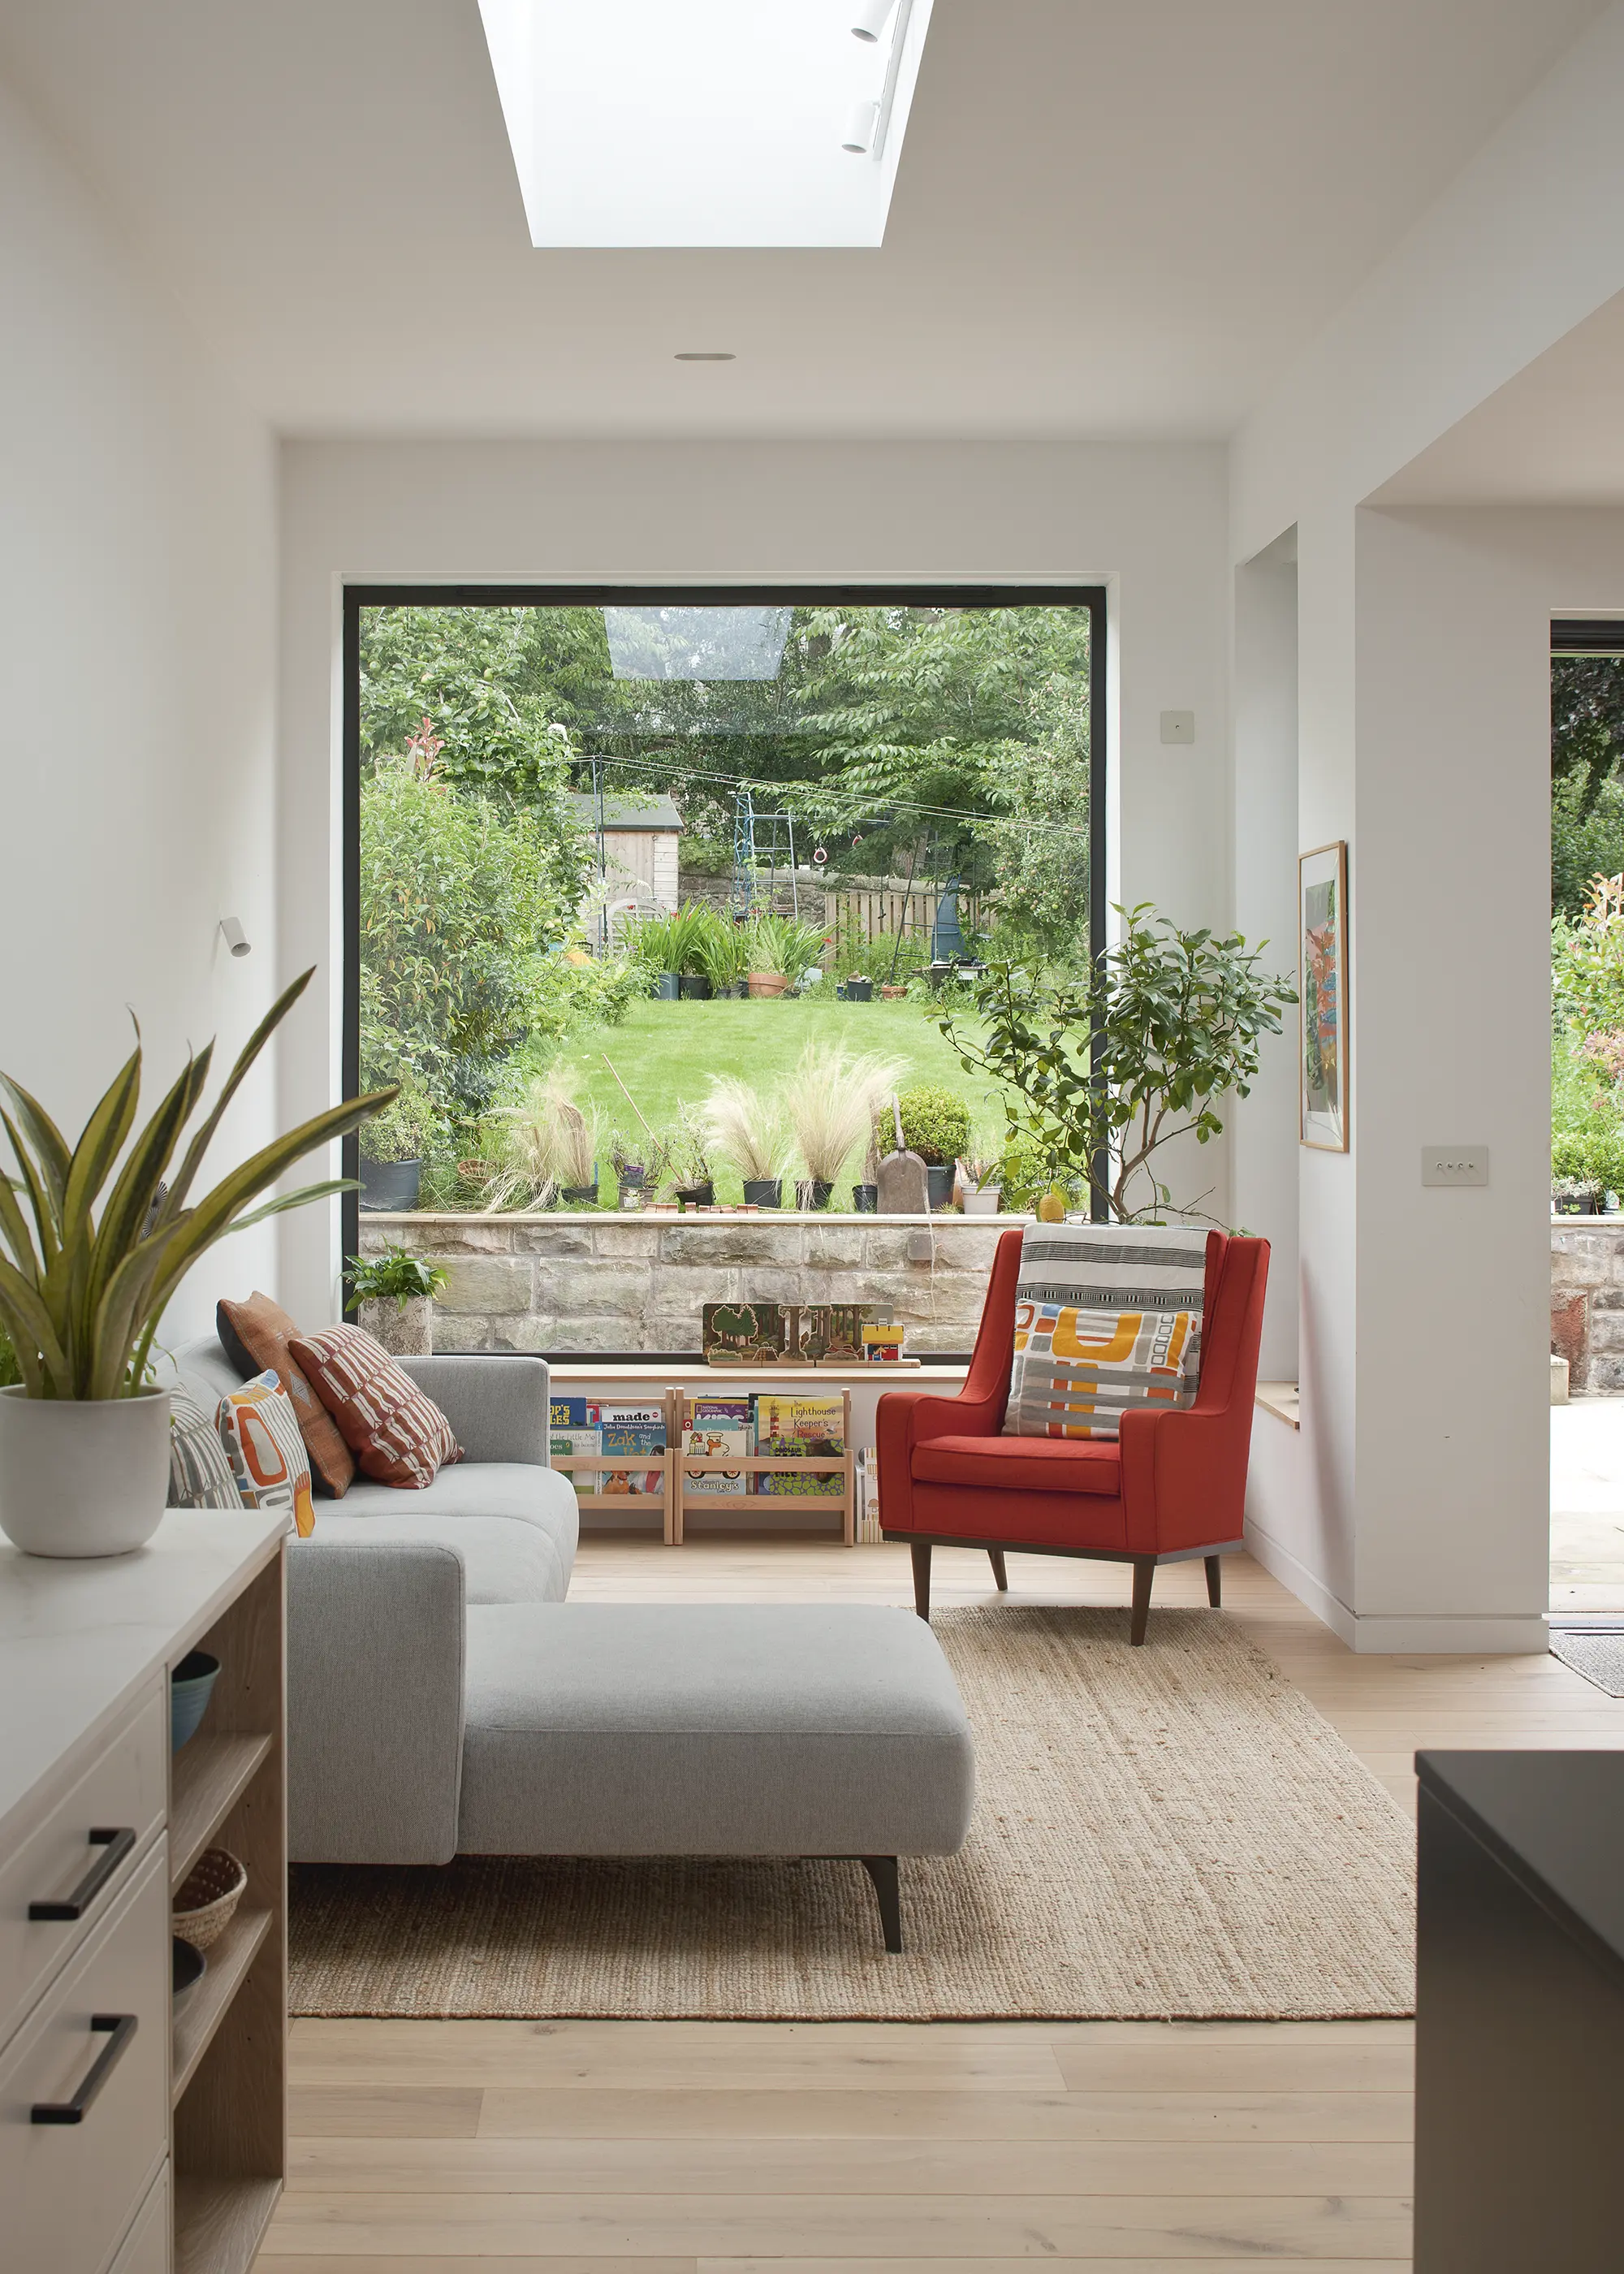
(871, 19)
(860, 122)
(235, 937)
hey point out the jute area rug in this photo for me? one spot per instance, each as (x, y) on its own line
(1169, 1832)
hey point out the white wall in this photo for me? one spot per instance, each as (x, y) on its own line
(1150, 519)
(138, 617)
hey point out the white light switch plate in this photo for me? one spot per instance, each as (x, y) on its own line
(1454, 1164)
(1178, 725)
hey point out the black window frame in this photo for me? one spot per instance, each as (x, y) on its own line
(809, 594)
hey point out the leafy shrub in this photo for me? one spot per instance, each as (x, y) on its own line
(1587, 1124)
(681, 942)
(395, 1273)
(935, 1124)
(412, 1129)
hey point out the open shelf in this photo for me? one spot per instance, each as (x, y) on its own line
(209, 1777)
(221, 2223)
(203, 2007)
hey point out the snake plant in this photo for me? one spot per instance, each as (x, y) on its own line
(81, 1295)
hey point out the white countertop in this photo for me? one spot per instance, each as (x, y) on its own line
(79, 1638)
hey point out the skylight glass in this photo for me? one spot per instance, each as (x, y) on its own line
(703, 122)
(697, 642)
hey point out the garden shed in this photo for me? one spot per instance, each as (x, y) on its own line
(636, 841)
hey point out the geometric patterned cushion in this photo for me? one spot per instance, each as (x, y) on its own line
(255, 1334)
(1108, 1318)
(199, 1473)
(260, 1433)
(397, 1435)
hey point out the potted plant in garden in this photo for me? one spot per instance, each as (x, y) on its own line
(722, 953)
(936, 1124)
(393, 1293)
(394, 1147)
(84, 1433)
(549, 1149)
(631, 1166)
(831, 1098)
(980, 1194)
(746, 1127)
(856, 987)
(689, 1159)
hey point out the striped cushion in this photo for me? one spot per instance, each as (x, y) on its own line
(259, 1431)
(199, 1473)
(397, 1435)
(1107, 1317)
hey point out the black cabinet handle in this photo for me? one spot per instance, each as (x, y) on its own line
(121, 2029)
(117, 1844)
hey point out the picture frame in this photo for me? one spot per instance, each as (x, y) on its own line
(1323, 1058)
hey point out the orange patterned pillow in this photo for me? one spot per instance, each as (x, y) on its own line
(259, 1431)
(397, 1435)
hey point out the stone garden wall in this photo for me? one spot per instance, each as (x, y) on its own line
(1587, 1300)
(596, 1281)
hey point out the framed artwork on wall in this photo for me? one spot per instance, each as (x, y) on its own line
(1322, 989)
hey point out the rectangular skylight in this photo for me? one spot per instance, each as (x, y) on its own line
(705, 121)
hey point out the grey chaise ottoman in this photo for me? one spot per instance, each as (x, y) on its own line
(713, 1729)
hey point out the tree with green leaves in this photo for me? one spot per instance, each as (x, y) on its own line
(1107, 1070)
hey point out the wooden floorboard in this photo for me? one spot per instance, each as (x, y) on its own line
(866, 2148)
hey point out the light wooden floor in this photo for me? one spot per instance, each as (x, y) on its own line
(678, 2148)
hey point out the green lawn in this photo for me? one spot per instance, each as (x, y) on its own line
(666, 1053)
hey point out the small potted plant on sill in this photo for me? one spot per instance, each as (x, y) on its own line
(979, 1193)
(393, 1293)
(746, 1127)
(689, 1159)
(85, 1432)
(394, 1147)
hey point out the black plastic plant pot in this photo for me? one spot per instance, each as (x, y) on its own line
(764, 1192)
(390, 1188)
(697, 1195)
(865, 1199)
(579, 1195)
(694, 987)
(859, 990)
(813, 1193)
(940, 1182)
(667, 987)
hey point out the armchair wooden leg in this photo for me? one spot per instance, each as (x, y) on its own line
(883, 1871)
(1000, 1576)
(1215, 1580)
(920, 1550)
(1144, 1576)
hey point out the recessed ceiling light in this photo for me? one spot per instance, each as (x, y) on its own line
(704, 355)
(714, 123)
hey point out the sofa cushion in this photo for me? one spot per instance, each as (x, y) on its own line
(255, 1334)
(398, 1435)
(514, 1489)
(503, 1560)
(710, 1729)
(1108, 1318)
(199, 1473)
(259, 1433)
(1020, 1464)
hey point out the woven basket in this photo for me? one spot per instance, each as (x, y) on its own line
(212, 1889)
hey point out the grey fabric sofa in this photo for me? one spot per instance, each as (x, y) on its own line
(378, 1603)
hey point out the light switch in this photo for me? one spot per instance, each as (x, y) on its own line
(1178, 725)
(1454, 1164)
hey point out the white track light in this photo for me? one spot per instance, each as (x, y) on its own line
(859, 126)
(871, 19)
(236, 938)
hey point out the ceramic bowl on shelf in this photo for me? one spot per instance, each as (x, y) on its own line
(190, 1686)
(212, 1890)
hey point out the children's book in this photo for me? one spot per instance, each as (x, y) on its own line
(571, 1414)
(793, 1428)
(630, 1433)
(715, 1427)
(576, 1441)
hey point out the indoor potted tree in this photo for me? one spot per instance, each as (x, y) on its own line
(84, 1433)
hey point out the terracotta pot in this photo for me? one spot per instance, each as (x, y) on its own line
(893, 994)
(769, 982)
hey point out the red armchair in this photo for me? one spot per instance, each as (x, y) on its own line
(1171, 1488)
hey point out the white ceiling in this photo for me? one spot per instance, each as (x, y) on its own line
(1110, 220)
(1554, 434)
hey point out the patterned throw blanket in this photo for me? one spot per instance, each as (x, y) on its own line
(1107, 1317)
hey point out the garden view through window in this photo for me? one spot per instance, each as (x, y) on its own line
(661, 903)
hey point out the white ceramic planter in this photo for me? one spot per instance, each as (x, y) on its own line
(983, 1204)
(83, 1478)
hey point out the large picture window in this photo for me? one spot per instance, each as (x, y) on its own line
(653, 894)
